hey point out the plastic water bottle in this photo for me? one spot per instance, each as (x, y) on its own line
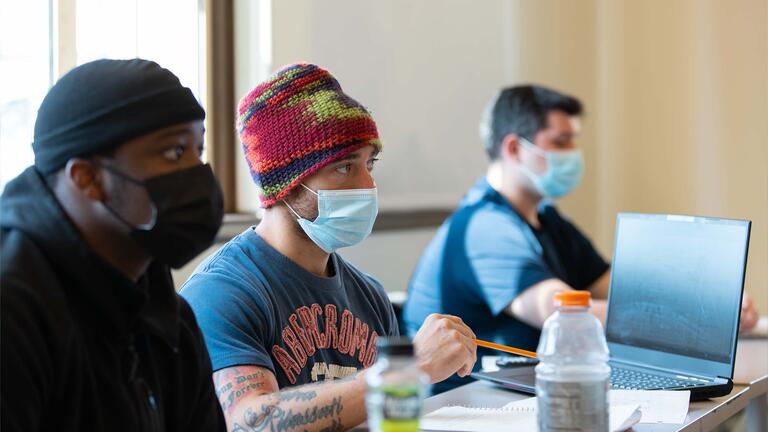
(572, 374)
(396, 388)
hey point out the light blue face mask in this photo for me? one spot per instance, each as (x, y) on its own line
(344, 217)
(564, 171)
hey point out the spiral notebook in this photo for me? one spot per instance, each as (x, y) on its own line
(513, 416)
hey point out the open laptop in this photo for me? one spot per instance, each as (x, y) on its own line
(673, 308)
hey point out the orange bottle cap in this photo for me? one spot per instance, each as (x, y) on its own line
(573, 298)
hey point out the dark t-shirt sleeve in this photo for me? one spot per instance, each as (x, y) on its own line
(387, 311)
(230, 313)
(503, 259)
(586, 264)
(592, 264)
(394, 327)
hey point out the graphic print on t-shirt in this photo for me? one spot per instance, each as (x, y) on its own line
(304, 335)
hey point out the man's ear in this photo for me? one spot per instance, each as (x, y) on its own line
(510, 147)
(86, 178)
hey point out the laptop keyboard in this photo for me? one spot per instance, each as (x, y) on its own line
(636, 380)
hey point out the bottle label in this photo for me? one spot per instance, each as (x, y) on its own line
(401, 408)
(572, 406)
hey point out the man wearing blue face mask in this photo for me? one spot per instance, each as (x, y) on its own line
(283, 315)
(500, 258)
(498, 261)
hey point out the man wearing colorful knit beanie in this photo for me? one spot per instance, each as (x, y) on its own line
(279, 308)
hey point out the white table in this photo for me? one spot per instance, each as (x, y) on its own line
(750, 393)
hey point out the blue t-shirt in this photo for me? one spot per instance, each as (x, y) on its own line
(484, 256)
(257, 307)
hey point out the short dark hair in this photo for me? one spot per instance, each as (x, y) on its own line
(521, 110)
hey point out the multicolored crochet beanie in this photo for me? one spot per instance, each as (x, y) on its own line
(297, 122)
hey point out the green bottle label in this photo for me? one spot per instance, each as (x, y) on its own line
(402, 408)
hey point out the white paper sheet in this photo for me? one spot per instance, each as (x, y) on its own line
(657, 406)
(523, 418)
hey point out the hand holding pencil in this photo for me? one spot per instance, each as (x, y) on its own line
(446, 345)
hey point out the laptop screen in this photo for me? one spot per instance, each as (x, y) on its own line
(676, 284)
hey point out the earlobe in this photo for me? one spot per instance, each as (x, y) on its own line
(85, 178)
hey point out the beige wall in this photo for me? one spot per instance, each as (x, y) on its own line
(551, 43)
(676, 95)
(683, 115)
(424, 68)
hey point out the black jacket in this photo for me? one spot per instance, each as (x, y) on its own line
(82, 348)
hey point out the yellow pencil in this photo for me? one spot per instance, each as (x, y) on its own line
(505, 348)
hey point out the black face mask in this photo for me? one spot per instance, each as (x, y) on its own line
(188, 210)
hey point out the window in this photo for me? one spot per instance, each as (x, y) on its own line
(169, 32)
(35, 42)
(26, 67)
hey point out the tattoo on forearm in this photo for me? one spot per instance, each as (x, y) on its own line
(335, 426)
(274, 418)
(296, 395)
(233, 385)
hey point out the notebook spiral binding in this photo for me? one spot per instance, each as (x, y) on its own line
(517, 409)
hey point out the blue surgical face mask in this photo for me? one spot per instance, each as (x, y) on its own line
(344, 217)
(564, 171)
